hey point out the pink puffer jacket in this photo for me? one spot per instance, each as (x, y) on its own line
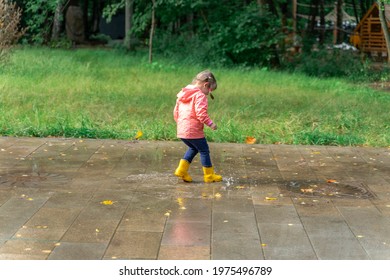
(190, 113)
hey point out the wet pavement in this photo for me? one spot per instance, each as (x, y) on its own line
(74, 199)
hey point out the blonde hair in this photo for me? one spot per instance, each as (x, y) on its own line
(206, 76)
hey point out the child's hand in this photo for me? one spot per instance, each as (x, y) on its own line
(213, 126)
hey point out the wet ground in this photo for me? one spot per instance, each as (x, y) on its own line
(74, 199)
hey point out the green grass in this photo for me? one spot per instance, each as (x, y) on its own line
(110, 94)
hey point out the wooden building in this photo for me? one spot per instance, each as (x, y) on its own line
(368, 36)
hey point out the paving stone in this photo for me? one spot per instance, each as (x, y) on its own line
(48, 224)
(187, 233)
(191, 210)
(146, 220)
(90, 231)
(26, 249)
(184, 253)
(78, 251)
(4, 196)
(277, 214)
(134, 245)
(225, 203)
(107, 199)
(332, 239)
(371, 229)
(235, 236)
(286, 242)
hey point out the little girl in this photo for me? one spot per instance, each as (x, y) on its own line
(190, 114)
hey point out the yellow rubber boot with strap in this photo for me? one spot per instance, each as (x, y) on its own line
(210, 176)
(182, 171)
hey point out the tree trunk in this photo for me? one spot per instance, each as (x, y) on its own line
(262, 6)
(58, 19)
(96, 13)
(129, 9)
(152, 27)
(86, 19)
(322, 22)
(363, 8)
(339, 21)
(272, 8)
(385, 29)
(294, 18)
(355, 11)
(190, 23)
(313, 15)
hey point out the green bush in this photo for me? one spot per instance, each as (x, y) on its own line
(243, 38)
(328, 63)
(248, 38)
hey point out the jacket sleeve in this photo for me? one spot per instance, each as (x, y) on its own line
(201, 105)
(176, 111)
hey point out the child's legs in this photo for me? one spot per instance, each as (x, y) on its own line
(195, 146)
(191, 151)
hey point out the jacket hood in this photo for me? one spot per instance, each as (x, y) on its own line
(187, 93)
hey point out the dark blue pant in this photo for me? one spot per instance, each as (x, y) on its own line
(196, 146)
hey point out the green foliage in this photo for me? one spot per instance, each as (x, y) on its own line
(226, 33)
(328, 63)
(10, 32)
(38, 16)
(236, 35)
(247, 37)
(61, 43)
(107, 94)
(112, 9)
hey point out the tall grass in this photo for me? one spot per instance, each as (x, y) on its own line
(110, 94)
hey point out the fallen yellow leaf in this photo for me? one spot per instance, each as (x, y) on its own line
(138, 135)
(270, 198)
(218, 195)
(107, 202)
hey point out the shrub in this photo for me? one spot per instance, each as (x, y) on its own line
(242, 37)
(328, 63)
(10, 16)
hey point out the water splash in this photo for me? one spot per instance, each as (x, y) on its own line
(229, 181)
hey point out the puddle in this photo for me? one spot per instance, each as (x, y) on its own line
(155, 178)
(32, 179)
(357, 190)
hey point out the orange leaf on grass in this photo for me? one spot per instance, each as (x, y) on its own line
(250, 140)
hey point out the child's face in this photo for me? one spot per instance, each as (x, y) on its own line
(205, 88)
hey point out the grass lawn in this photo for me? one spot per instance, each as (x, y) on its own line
(109, 94)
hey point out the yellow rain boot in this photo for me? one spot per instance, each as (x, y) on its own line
(182, 171)
(210, 176)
